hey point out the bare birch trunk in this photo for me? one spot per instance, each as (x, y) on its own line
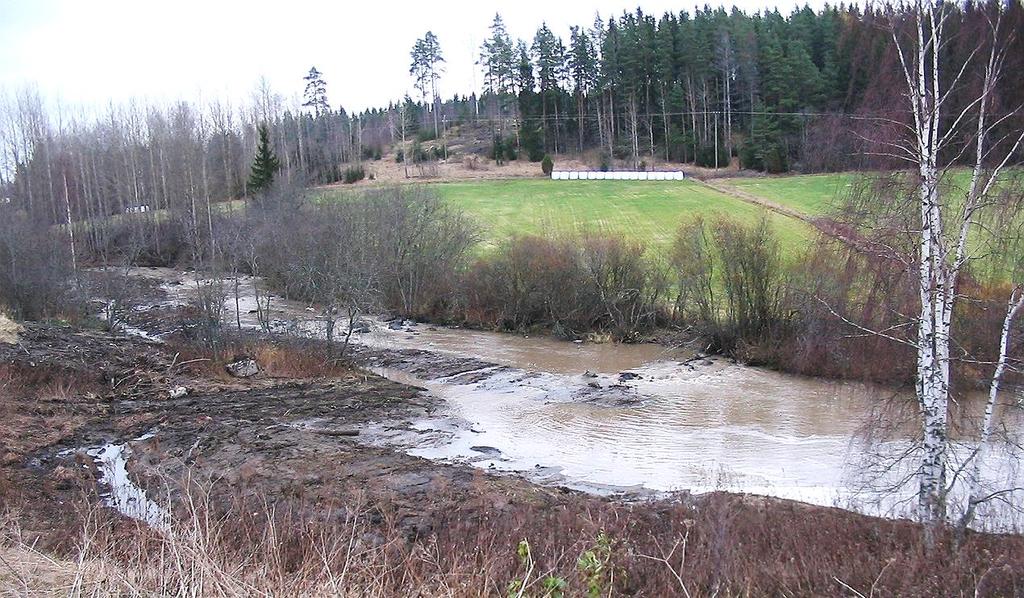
(975, 494)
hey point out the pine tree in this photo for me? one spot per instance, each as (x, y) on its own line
(497, 56)
(265, 165)
(425, 69)
(549, 56)
(582, 67)
(315, 95)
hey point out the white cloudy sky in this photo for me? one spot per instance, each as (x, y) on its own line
(91, 51)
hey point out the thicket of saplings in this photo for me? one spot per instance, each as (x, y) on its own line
(406, 252)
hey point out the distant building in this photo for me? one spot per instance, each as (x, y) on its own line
(136, 209)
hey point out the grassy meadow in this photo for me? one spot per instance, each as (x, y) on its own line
(813, 194)
(648, 211)
(817, 194)
(652, 211)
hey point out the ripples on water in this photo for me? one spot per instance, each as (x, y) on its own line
(698, 426)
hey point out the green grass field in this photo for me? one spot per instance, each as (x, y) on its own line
(818, 194)
(643, 210)
(811, 194)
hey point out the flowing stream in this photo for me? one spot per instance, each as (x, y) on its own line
(642, 418)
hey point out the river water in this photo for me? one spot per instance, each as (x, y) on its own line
(610, 417)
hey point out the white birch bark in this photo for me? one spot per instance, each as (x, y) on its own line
(941, 255)
(975, 495)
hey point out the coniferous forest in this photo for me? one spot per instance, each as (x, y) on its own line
(808, 92)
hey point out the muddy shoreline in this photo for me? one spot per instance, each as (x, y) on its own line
(638, 420)
(263, 437)
(322, 448)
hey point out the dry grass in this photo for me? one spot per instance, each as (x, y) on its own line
(9, 330)
(277, 358)
(728, 546)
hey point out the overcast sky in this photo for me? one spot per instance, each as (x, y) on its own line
(91, 51)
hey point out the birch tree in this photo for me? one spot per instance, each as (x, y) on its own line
(940, 131)
(977, 493)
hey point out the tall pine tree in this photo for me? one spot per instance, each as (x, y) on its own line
(315, 94)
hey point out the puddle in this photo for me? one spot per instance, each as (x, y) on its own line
(122, 493)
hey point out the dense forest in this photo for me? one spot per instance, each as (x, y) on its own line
(813, 91)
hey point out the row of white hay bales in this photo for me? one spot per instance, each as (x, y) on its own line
(574, 175)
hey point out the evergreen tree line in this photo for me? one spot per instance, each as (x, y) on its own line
(775, 93)
(812, 91)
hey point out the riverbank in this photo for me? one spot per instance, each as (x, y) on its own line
(293, 456)
(643, 419)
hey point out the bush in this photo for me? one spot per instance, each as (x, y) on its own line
(547, 165)
(404, 246)
(353, 174)
(503, 150)
(418, 154)
(531, 281)
(730, 281)
(568, 286)
(35, 269)
(706, 156)
(426, 134)
(400, 156)
(371, 152)
(149, 240)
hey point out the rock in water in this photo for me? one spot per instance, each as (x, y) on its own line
(243, 368)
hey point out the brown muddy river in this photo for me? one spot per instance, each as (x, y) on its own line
(610, 417)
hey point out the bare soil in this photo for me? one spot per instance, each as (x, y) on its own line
(470, 167)
(297, 443)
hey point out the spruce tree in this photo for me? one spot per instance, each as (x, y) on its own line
(265, 165)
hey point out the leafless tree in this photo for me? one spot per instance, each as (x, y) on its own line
(953, 115)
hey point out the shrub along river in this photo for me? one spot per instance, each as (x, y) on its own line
(635, 419)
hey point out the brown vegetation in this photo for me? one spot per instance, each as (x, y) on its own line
(277, 357)
(266, 508)
(570, 287)
(726, 544)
